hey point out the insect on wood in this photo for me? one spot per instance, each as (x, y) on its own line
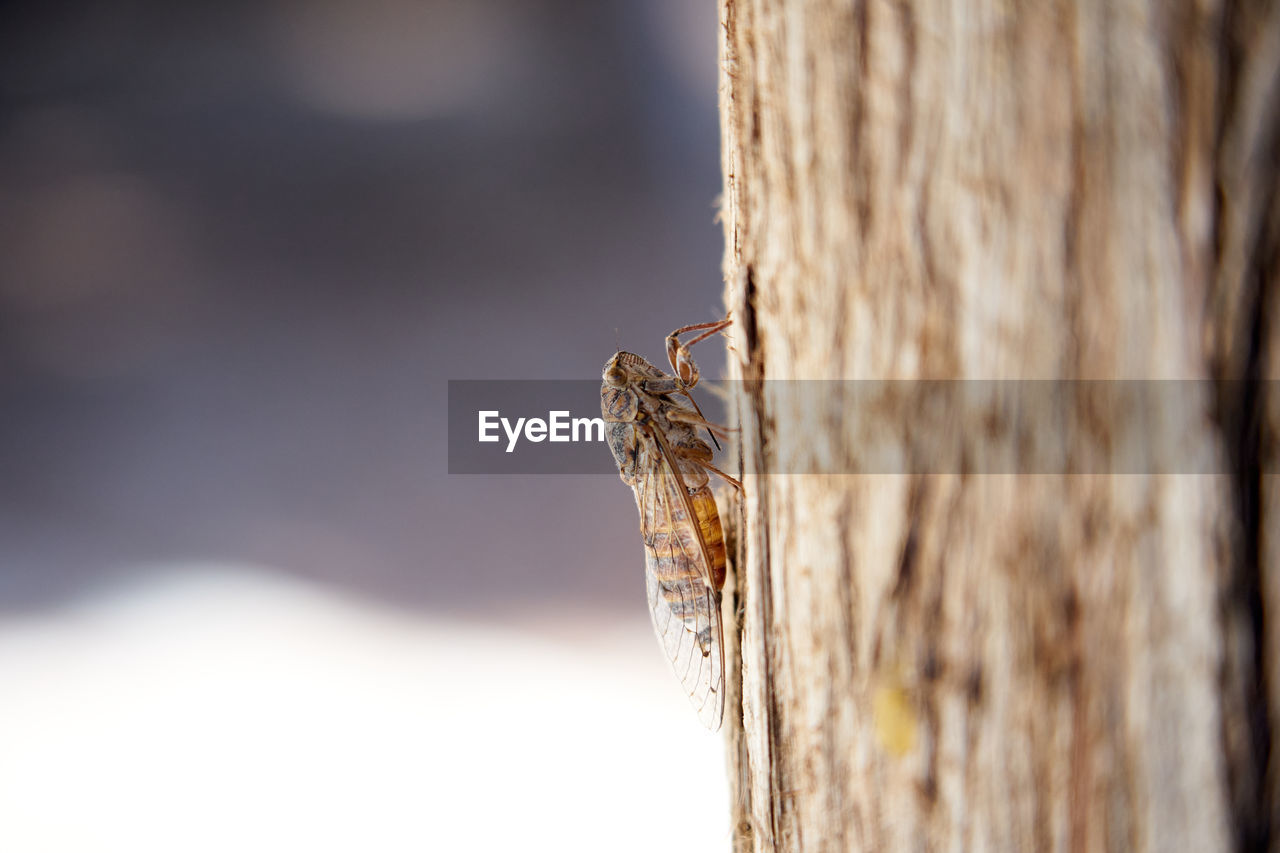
(654, 436)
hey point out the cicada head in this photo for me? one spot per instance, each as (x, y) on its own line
(626, 368)
(615, 375)
(619, 401)
(623, 377)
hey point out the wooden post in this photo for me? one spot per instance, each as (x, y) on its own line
(959, 660)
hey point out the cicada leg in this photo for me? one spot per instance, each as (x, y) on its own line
(686, 370)
(703, 460)
(678, 353)
(699, 421)
(737, 484)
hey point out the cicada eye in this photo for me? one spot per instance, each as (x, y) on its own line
(615, 376)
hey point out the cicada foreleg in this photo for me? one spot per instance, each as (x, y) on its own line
(686, 369)
(678, 352)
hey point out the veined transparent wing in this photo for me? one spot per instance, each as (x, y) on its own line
(678, 567)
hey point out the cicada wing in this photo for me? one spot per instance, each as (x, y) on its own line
(692, 643)
(685, 610)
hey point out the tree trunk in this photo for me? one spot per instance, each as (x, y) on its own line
(945, 658)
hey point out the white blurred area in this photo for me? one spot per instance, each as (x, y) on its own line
(217, 708)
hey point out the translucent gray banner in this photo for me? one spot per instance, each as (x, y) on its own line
(874, 426)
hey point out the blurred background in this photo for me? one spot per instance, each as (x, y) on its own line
(243, 247)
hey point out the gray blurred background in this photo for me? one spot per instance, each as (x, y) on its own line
(243, 247)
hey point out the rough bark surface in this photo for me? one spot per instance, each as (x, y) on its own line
(980, 189)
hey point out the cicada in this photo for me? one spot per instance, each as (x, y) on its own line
(653, 428)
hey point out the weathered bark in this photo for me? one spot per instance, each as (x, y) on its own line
(983, 190)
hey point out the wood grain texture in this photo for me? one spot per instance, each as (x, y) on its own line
(994, 190)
